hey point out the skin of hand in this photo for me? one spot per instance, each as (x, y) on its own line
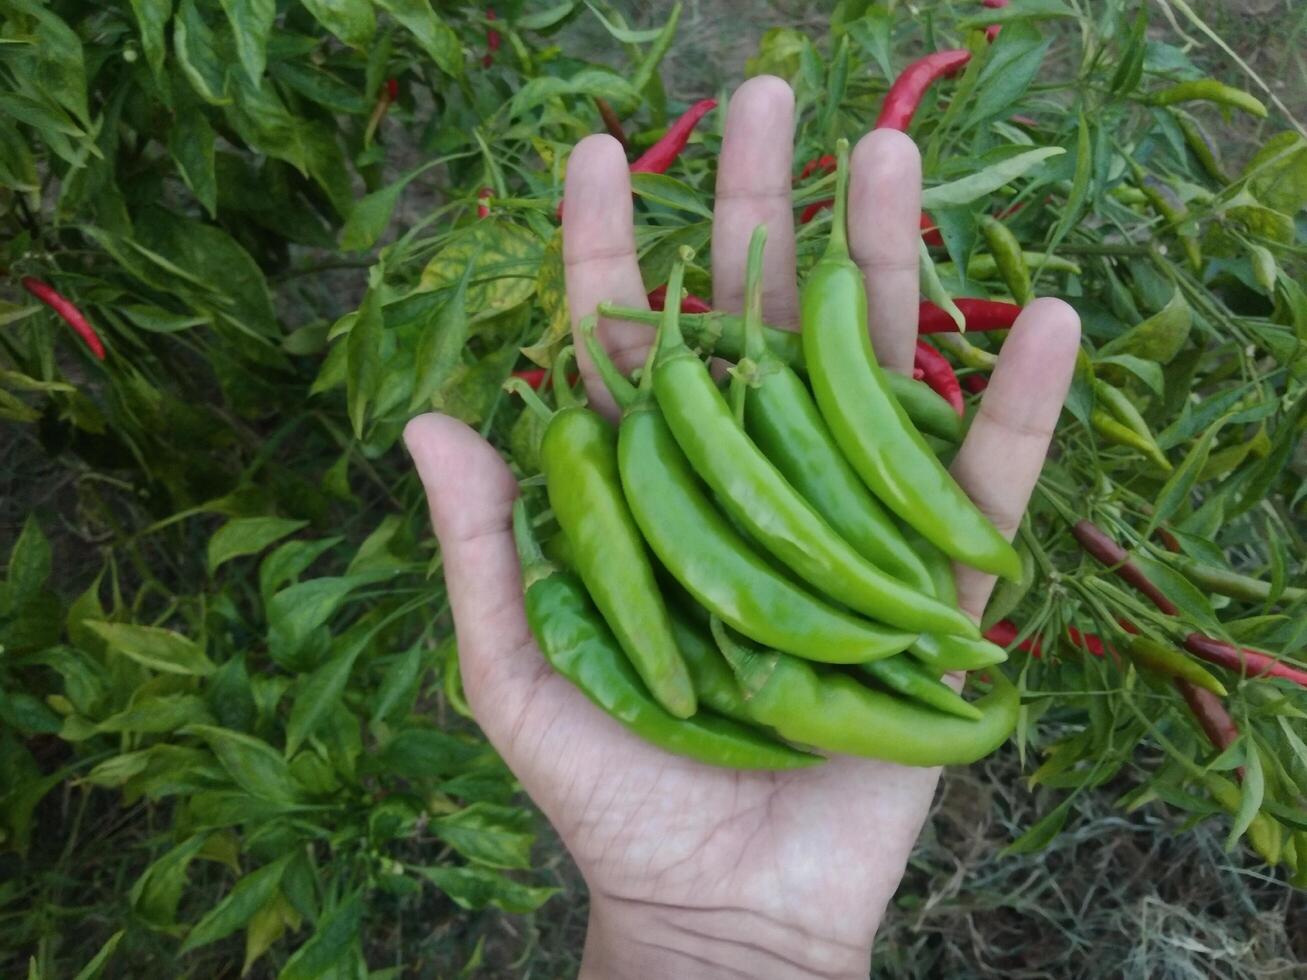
(695, 871)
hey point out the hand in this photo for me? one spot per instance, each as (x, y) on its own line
(695, 871)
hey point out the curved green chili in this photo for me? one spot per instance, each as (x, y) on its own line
(708, 557)
(783, 421)
(578, 644)
(722, 334)
(1163, 659)
(832, 711)
(578, 456)
(759, 497)
(888, 453)
(1210, 90)
(1005, 248)
(714, 681)
(949, 653)
(914, 680)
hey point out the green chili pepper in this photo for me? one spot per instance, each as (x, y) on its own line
(1162, 659)
(707, 556)
(723, 334)
(782, 419)
(1008, 594)
(870, 427)
(985, 266)
(1209, 90)
(1172, 210)
(578, 456)
(1222, 581)
(751, 489)
(1202, 147)
(832, 711)
(948, 653)
(914, 680)
(1124, 412)
(579, 645)
(1264, 834)
(714, 681)
(1005, 248)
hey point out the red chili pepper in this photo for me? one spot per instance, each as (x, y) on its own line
(975, 383)
(1212, 717)
(483, 210)
(825, 164)
(991, 32)
(938, 373)
(1101, 546)
(1005, 631)
(1242, 660)
(907, 91)
(492, 41)
(392, 89)
(659, 157)
(535, 377)
(980, 314)
(67, 311)
(612, 122)
(814, 209)
(1169, 541)
(689, 302)
(929, 232)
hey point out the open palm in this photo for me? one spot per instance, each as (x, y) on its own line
(696, 871)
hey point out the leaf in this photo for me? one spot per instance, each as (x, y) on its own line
(475, 888)
(432, 33)
(441, 345)
(625, 34)
(249, 895)
(288, 561)
(319, 693)
(1250, 801)
(251, 23)
(363, 352)
(196, 48)
(353, 21)
(504, 258)
(1149, 372)
(370, 215)
(254, 765)
(190, 141)
(248, 536)
(977, 185)
(489, 834)
(261, 119)
(266, 926)
(29, 562)
(152, 17)
(1080, 182)
(424, 753)
(1015, 11)
(1175, 492)
(398, 684)
(335, 935)
(1042, 833)
(1277, 173)
(93, 968)
(60, 69)
(156, 648)
(670, 192)
(1160, 337)
(157, 715)
(1012, 65)
(296, 611)
(157, 891)
(592, 82)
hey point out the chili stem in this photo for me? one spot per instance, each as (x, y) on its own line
(517, 386)
(837, 245)
(622, 390)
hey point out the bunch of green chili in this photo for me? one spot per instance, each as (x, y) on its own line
(756, 572)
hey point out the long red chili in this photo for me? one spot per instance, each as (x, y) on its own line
(483, 209)
(535, 377)
(991, 32)
(492, 41)
(907, 91)
(980, 314)
(67, 311)
(826, 164)
(612, 122)
(929, 232)
(814, 209)
(689, 302)
(1241, 660)
(937, 372)
(1101, 546)
(1210, 712)
(659, 157)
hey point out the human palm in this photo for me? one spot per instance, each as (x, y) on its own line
(693, 870)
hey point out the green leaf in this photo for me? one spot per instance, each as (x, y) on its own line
(196, 48)
(251, 23)
(1160, 337)
(504, 259)
(156, 648)
(1017, 10)
(475, 888)
(625, 34)
(1149, 372)
(441, 344)
(288, 561)
(60, 69)
(296, 611)
(398, 684)
(592, 82)
(1175, 492)
(335, 935)
(363, 352)
(369, 217)
(249, 895)
(1250, 801)
(424, 753)
(1277, 173)
(436, 38)
(28, 714)
(670, 192)
(1080, 182)
(262, 120)
(29, 562)
(489, 834)
(645, 71)
(254, 765)
(1042, 833)
(92, 969)
(320, 692)
(353, 21)
(1013, 63)
(157, 891)
(157, 715)
(190, 141)
(248, 536)
(152, 17)
(977, 185)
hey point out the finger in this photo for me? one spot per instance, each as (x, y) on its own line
(884, 231)
(599, 257)
(753, 188)
(471, 492)
(1000, 460)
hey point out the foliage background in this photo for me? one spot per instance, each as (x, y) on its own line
(225, 648)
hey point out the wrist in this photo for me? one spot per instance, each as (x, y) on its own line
(629, 938)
